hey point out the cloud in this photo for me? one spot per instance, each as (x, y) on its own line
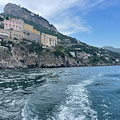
(69, 16)
(108, 3)
(73, 25)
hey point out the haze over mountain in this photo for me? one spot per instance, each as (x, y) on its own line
(117, 50)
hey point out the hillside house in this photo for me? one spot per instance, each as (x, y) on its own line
(48, 40)
(13, 24)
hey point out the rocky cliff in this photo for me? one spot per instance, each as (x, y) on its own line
(28, 54)
(23, 13)
(22, 57)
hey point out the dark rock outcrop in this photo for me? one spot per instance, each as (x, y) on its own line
(23, 13)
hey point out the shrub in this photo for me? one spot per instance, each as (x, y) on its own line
(9, 48)
(1, 19)
(24, 39)
(12, 43)
(22, 48)
(3, 43)
(67, 51)
(59, 53)
(59, 48)
(35, 47)
(47, 50)
(15, 39)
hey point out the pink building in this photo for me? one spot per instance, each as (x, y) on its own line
(14, 24)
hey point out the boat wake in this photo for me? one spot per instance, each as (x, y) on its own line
(77, 106)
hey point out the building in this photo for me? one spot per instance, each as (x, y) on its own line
(27, 27)
(32, 37)
(30, 33)
(36, 32)
(14, 24)
(16, 29)
(73, 54)
(12, 34)
(48, 40)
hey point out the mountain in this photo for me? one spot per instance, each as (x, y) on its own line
(69, 51)
(23, 13)
(117, 50)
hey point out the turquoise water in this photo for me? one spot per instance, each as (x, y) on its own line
(83, 93)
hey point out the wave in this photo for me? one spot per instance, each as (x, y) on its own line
(77, 106)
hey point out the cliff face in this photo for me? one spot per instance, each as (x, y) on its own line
(28, 54)
(23, 13)
(18, 58)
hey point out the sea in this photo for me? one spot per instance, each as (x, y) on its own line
(74, 93)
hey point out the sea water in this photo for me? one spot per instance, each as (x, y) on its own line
(81, 93)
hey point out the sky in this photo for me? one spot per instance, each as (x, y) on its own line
(95, 22)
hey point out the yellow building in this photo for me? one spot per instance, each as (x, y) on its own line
(28, 27)
(48, 40)
(36, 32)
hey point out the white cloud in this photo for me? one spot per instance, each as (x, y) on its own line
(73, 25)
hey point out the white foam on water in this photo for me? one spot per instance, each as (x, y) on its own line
(26, 112)
(99, 75)
(77, 106)
(104, 105)
(7, 90)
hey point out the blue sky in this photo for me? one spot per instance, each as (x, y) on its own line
(95, 22)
